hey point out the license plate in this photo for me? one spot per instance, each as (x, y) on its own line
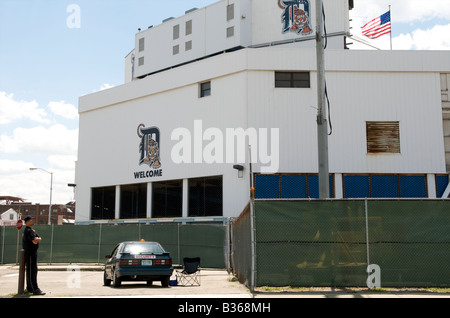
(146, 262)
(145, 256)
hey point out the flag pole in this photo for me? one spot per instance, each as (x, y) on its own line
(390, 16)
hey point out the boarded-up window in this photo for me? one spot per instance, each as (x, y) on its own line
(141, 44)
(188, 46)
(230, 12)
(176, 49)
(176, 31)
(383, 137)
(230, 32)
(189, 27)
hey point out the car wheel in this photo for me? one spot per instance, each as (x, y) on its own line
(149, 283)
(106, 281)
(116, 280)
(165, 280)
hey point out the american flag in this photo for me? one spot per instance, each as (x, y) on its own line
(378, 27)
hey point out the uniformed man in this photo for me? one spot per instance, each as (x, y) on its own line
(31, 242)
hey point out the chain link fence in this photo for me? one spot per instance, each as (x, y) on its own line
(283, 242)
(241, 242)
(331, 243)
(90, 243)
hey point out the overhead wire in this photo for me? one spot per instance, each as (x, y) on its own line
(326, 90)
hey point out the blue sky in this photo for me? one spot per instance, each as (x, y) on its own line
(45, 66)
(39, 49)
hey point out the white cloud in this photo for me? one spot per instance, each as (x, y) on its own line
(403, 11)
(12, 110)
(11, 167)
(62, 162)
(103, 87)
(34, 186)
(419, 10)
(57, 143)
(56, 139)
(431, 39)
(63, 109)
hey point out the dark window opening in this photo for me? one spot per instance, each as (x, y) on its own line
(205, 89)
(103, 203)
(167, 199)
(292, 79)
(133, 201)
(206, 196)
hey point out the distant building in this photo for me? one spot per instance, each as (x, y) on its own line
(61, 213)
(10, 217)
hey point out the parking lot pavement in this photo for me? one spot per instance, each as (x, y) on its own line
(87, 281)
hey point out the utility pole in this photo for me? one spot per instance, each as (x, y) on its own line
(322, 123)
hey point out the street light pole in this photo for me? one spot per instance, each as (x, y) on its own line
(51, 191)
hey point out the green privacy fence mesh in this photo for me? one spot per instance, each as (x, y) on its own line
(324, 243)
(410, 241)
(90, 244)
(297, 243)
(310, 244)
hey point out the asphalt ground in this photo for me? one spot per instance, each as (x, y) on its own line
(86, 281)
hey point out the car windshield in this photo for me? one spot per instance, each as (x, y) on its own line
(142, 248)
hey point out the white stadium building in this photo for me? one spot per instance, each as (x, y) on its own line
(228, 93)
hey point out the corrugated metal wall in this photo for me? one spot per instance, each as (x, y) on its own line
(356, 98)
(445, 84)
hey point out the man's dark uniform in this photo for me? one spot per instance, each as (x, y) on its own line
(30, 258)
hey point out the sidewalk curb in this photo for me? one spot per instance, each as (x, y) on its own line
(64, 268)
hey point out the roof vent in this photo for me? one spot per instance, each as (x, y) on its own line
(168, 19)
(190, 10)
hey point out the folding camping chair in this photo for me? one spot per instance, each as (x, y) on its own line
(190, 275)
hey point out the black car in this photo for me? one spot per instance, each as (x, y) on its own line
(138, 261)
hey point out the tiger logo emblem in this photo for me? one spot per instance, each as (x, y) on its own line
(149, 146)
(296, 16)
